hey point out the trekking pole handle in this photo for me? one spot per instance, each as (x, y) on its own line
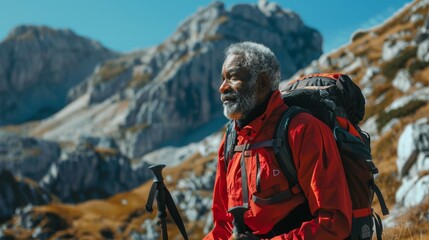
(157, 171)
(238, 222)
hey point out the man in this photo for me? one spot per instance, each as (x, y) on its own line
(320, 207)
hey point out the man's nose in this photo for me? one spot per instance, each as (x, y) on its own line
(224, 86)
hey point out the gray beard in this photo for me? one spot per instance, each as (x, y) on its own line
(244, 104)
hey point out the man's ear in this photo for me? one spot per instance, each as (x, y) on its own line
(264, 83)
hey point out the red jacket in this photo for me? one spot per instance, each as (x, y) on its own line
(320, 175)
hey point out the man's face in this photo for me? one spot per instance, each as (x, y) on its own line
(238, 93)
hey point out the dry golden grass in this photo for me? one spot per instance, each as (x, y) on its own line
(422, 76)
(139, 80)
(111, 69)
(97, 219)
(413, 225)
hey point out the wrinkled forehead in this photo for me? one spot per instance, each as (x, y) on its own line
(233, 62)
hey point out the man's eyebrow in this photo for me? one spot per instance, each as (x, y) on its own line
(233, 69)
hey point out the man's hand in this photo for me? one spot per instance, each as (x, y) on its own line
(246, 236)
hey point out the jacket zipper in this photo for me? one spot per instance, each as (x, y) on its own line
(258, 174)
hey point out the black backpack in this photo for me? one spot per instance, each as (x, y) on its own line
(338, 102)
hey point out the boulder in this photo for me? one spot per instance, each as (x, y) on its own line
(402, 81)
(423, 32)
(413, 191)
(413, 163)
(413, 140)
(420, 94)
(26, 156)
(391, 49)
(423, 51)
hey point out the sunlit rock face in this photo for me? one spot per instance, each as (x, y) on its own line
(39, 65)
(413, 163)
(164, 93)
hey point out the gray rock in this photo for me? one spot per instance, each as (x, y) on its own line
(416, 17)
(208, 224)
(402, 81)
(19, 193)
(414, 139)
(388, 127)
(26, 156)
(413, 191)
(344, 60)
(421, 94)
(391, 49)
(325, 61)
(423, 32)
(421, 165)
(413, 164)
(370, 126)
(150, 226)
(423, 51)
(39, 66)
(91, 173)
(369, 74)
(356, 64)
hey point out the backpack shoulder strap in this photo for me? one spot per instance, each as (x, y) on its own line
(230, 141)
(282, 151)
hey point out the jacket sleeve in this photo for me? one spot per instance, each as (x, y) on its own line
(322, 179)
(222, 220)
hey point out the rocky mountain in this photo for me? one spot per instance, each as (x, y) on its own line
(389, 63)
(127, 98)
(39, 65)
(89, 148)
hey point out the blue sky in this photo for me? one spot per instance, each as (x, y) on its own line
(134, 24)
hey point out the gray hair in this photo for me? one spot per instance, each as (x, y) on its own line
(257, 59)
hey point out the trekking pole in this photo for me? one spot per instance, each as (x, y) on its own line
(238, 221)
(163, 200)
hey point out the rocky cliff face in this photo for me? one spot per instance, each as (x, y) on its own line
(39, 65)
(180, 77)
(27, 157)
(19, 193)
(93, 171)
(92, 168)
(413, 164)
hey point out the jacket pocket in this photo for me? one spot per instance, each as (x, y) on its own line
(270, 184)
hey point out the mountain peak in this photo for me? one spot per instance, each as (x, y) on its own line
(24, 32)
(39, 66)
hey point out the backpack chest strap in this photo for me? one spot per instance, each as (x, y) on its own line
(279, 197)
(262, 144)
